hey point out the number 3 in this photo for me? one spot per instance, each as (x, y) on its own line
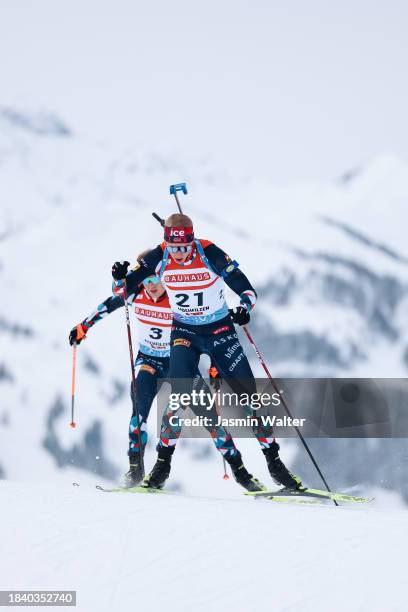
(157, 333)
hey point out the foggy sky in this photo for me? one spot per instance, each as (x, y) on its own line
(287, 90)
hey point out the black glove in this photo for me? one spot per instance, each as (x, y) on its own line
(239, 315)
(119, 269)
(77, 334)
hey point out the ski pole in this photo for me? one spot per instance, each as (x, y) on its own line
(74, 351)
(225, 476)
(173, 191)
(132, 368)
(275, 386)
(80, 334)
(217, 386)
(224, 463)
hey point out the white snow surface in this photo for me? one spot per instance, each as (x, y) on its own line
(182, 554)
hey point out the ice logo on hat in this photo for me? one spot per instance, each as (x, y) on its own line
(178, 234)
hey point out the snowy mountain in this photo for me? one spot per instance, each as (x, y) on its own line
(329, 262)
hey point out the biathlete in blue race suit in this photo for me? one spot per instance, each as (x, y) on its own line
(194, 273)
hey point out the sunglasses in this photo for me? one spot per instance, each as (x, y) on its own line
(180, 249)
(155, 280)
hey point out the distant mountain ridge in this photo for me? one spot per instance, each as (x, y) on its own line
(329, 263)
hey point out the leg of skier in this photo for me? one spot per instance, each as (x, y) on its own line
(224, 443)
(171, 427)
(185, 355)
(233, 365)
(146, 388)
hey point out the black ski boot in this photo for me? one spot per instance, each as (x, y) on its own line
(134, 476)
(241, 474)
(278, 470)
(161, 469)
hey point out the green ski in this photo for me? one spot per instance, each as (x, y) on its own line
(293, 499)
(309, 493)
(133, 490)
(296, 500)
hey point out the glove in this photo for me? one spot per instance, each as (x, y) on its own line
(239, 315)
(78, 333)
(215, 378)
(119, 269)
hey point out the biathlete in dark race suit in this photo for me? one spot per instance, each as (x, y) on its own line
(194, 273)
(154, 321)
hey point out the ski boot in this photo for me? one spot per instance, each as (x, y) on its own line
(279, 472)
(161, 469)
(134, 476)
(241, 474)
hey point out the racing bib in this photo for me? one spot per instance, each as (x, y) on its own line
(154, 320)
(195, 291)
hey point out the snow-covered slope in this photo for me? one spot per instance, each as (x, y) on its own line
(329, 261)
(186, 553)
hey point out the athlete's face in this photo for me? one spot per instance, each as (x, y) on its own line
(155, 290)
(178, 256)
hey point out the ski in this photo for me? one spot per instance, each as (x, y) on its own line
(293, 499)
(307, 497)
(310, 493)
(340, 496)
(290, 500)
(132, 490)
